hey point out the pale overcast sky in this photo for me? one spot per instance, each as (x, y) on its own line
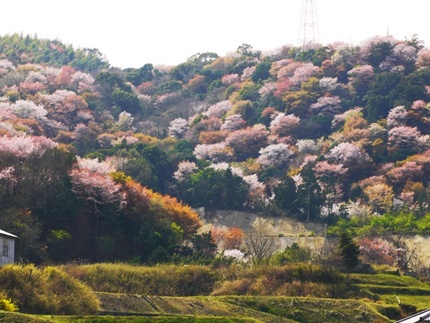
(131, 33)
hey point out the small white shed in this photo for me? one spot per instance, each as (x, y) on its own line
(7, 247)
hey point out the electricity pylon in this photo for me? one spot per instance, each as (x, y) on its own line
(308, 31)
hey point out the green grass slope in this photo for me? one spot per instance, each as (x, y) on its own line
(259, 308)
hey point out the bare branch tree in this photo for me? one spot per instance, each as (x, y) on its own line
(261, 242)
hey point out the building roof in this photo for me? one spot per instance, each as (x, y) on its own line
(423, 316)
(4, 233)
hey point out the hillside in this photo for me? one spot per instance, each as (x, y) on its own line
(92, 155)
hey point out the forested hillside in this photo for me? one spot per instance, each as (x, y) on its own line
(100, 163)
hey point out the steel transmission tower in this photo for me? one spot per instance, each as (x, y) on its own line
(308, 32)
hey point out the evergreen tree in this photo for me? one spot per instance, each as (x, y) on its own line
(348, 250)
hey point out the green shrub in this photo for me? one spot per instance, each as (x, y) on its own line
(47, 291)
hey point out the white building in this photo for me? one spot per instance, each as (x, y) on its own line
(7, 248)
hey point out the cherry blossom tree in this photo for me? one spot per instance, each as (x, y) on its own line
(184, 171)
(63, 105)
(284, 125)
(257, 196)
(328, 84)
(247, 72)
(326, 171)
(327, 105)
(178, 127)
(64, 77)
(93, 184)
(125, 121)
(235, 254)
(303, 73)
(308, 146)
(247, 142)
(218, 152)
(405, 172)
(24, 146)
(397, 117)
(376, 251)
(31, 87)
(330, 178)
(347, 154)
(6, 66)
(423, 58)
(83, 82)
(233, 122)
(28, 110)
(358, 209)
(230, 79)
(404, 140)
(282, 87)
(267, 88)
(277, 155)
(285, 68)
(218, 109)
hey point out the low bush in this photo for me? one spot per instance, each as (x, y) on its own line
(46, 291)
(161, 280)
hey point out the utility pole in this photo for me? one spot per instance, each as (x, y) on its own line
(308, 31)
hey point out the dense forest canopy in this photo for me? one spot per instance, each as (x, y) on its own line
(102, 163)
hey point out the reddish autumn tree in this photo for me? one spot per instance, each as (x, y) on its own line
(233, 238)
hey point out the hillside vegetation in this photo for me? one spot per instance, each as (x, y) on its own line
(99, 163)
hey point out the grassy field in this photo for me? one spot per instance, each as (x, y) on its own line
(126, 293)
(219, 309)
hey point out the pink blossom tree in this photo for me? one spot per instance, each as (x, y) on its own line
(218, 109)
(347, 154)
(405, 139)
(93, 184)
(397, 117)
(247, 142)
(327, 105)
(407, 171)
(284, 125)
(6, 66)
(423, 58)
(303, 74)
(82, 82)
(63, 105)
(233, 122)
(230, 79)
(277, 155)
(376, 251)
